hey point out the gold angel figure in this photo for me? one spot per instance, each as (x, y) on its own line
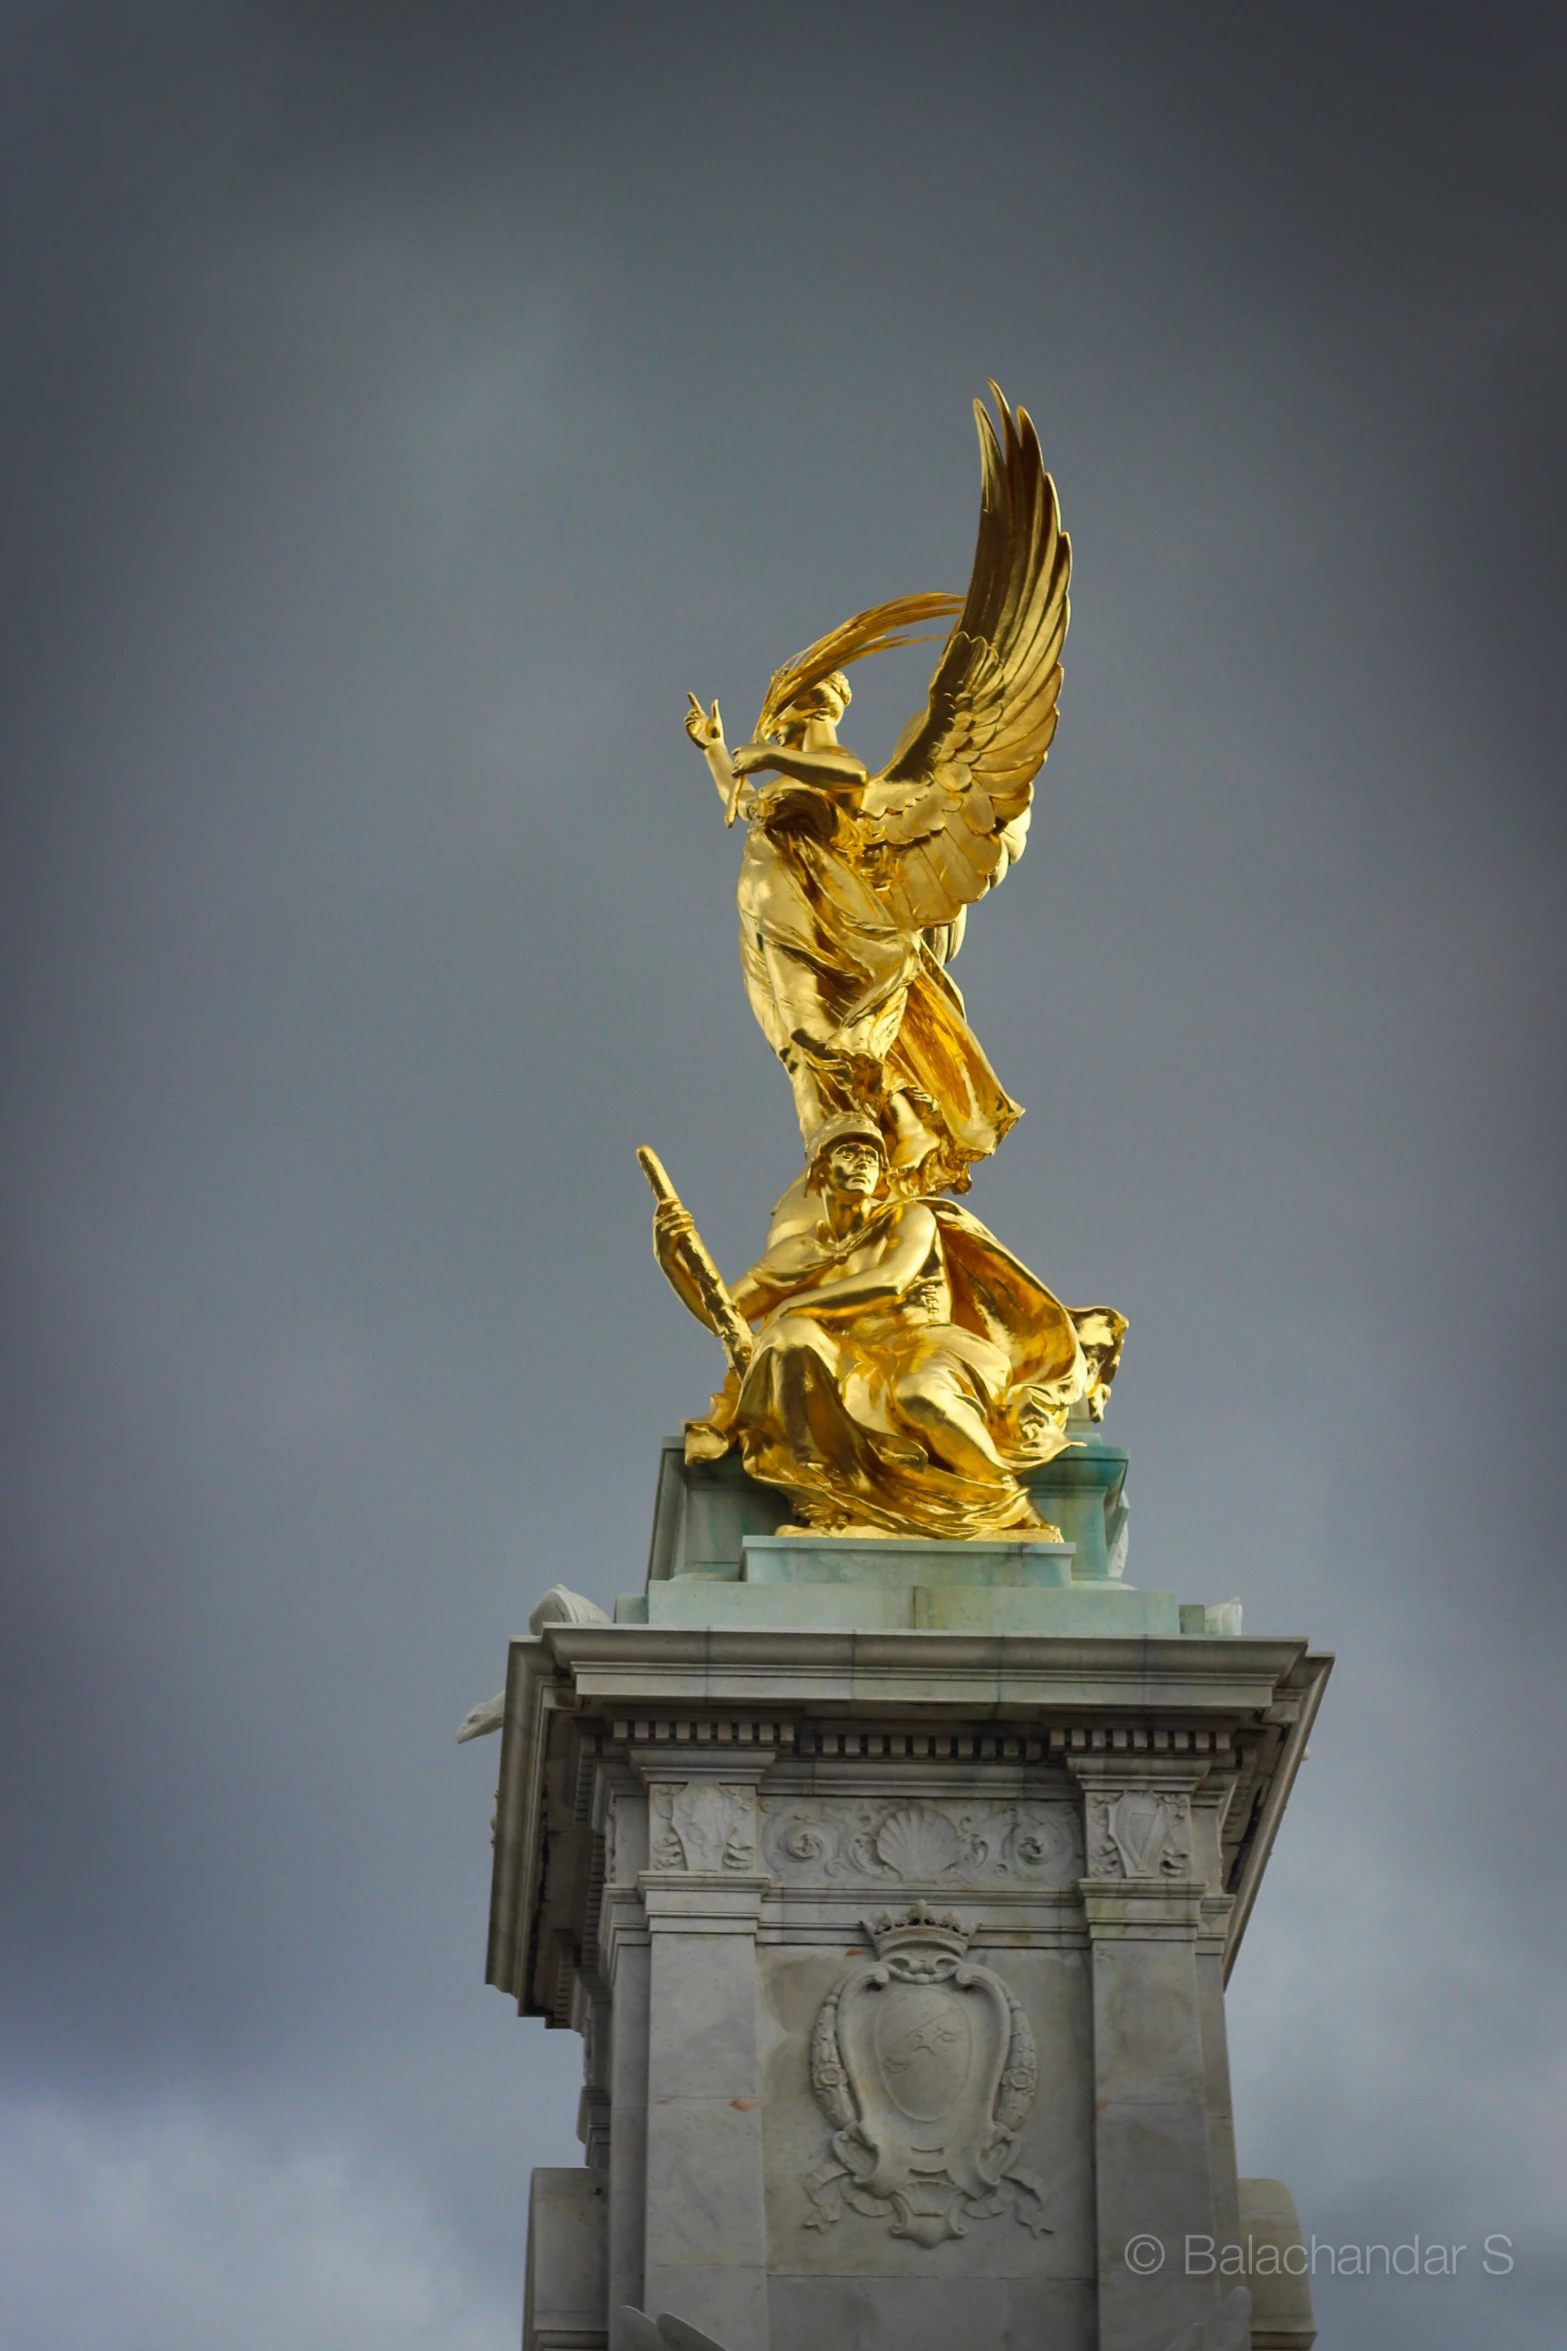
(854, 889)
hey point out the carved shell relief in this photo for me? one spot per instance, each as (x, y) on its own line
(707, 1825)
(924, 2063)
(1141, 1833)
(922, 1843)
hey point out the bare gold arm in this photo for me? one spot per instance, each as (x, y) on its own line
(721, 1311)
(706, 729)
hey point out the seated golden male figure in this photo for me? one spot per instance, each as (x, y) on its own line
(905, 1367)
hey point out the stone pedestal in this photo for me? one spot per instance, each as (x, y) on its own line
(897, 1937)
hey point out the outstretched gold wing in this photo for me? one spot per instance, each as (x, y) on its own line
(953, 802)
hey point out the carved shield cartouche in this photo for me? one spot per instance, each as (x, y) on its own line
(924, 2049)
(925, 2062)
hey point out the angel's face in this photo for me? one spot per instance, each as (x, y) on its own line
(854, 1166)
(823, 701)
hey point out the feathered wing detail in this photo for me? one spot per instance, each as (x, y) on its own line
(953, 802)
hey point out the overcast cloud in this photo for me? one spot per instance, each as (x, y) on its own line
(403, 406)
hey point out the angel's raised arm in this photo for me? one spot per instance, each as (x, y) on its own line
(706, 729)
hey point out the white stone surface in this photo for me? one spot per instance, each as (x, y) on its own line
(562, 1606)
(903, 1605)
(566, 2294)
(709, 1840)
(1280, 2284)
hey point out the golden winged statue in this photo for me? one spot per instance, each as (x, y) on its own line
(891, 1365)
(854, 889)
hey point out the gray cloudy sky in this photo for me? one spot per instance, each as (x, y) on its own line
(402, 406)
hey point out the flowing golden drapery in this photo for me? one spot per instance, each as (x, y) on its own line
(820, 1411)
(856, 1006)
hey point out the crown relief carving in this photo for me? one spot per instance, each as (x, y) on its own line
(925, 2064)
(923, 1937)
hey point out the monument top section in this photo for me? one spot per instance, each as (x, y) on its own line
(890, 1849)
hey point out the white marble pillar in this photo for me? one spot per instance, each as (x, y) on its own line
(1160, 2094)
(705, 2250)
(621, 1809)
(1222, 2164)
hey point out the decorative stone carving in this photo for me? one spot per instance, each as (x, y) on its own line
(479, 1721)
(560, 1606)
(702, 1825)
(1140, 1833)
(924, 2063)
(927, 1842)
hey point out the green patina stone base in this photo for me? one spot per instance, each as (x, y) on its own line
(869, 1604)
(718, 1562)
(904, 1560)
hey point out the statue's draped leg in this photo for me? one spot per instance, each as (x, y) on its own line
(846, 1450)
(938, 1055)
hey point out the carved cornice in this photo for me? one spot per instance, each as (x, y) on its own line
(876, 1729)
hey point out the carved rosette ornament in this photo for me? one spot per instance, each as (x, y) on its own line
(924, 2063)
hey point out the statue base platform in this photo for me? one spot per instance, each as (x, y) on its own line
(894, 1585)
(893, 1887)
(717, 1559)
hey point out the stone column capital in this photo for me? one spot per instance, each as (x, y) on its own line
(702, 1901)
(702, 1823)
(1214, 1931)
(1137, 1824)
(682, 1766)
(1165, 1774)
(622, 1927)
(1142, 1910)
